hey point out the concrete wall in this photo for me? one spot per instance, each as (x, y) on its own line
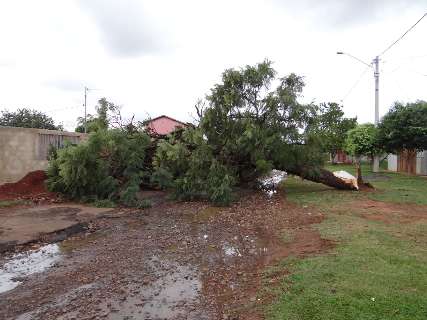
(23, 150)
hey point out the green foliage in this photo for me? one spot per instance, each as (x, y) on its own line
(102, 120)
(404, 127)
(27, 118)
(189, 167)
(109, 165)
(331, 127)
(245, 130)
(362, 141)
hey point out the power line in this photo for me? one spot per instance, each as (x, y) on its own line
(62, 109)
(403, 35)
(355, 84)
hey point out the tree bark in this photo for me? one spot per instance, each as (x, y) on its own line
(323, 176)
(359, 172)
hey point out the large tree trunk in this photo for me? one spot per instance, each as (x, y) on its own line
(322, 176)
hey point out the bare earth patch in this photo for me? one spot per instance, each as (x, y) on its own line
(173, 261)
(388, 212)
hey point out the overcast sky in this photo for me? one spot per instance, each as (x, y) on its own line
(158, 57)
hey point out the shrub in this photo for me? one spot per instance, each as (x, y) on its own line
(109, 165)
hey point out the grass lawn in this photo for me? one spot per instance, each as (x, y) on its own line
(377, 270)
(391, 186)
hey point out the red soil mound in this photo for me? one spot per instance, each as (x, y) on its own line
(29, 186)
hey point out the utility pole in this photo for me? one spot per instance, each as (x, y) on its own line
(376, 62)
(376, 67)
(86, 90)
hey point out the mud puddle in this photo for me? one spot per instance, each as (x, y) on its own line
(172, 291)
(25, 264)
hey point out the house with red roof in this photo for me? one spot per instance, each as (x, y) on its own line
(163, 125)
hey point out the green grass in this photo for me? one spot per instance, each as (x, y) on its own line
(377, 271)
(392, 187)
(11, 203)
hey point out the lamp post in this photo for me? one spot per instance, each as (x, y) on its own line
(375, 66)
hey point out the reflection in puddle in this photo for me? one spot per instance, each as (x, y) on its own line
(27, 263)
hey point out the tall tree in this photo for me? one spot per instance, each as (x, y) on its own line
(107, 115)
(404, 127)
(362, 141)
(331, 127)
(27, 118)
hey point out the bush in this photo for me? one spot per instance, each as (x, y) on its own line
(110, 165)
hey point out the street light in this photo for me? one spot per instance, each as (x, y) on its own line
(375, 62)
(355, 58)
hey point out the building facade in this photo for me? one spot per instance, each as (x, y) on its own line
(164, 125)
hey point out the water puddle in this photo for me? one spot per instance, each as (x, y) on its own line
(24, 264)
(205, 214)
(76, 243)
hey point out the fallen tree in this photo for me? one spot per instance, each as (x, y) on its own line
(323, 176)
(244, 131)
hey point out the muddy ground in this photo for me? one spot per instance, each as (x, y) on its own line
(31, 223)
(173, 261)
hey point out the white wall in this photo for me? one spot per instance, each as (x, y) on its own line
(422, 163)
(392, 162)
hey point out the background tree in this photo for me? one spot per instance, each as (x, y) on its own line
(27, 118)
(362, 141)
(245, 130)
(404, 127)
(107, 115)
(331, 127)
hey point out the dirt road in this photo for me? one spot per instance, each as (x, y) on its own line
(173, 261)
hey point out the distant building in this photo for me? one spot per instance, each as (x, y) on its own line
(164, 125)
(342, 157)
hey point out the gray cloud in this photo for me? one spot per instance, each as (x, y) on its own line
(65, 84)
(347, 13)
(125, 27)
(7, 63)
